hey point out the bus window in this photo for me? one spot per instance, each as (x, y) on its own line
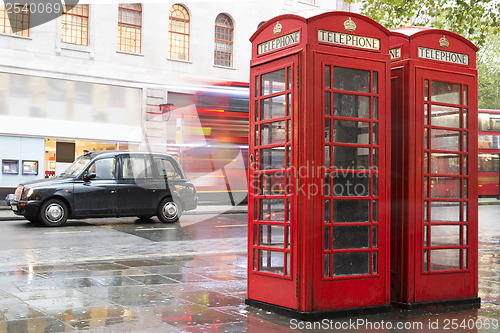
(240, 104)
(495, 124)
(488, 163)
(211, 101)
(484, 122)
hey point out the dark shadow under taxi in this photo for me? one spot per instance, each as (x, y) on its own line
(109, 184)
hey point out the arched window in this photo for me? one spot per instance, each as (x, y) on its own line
(75, 25)
(179, 33)
(16, 22)
(223, 53)
(129, 27)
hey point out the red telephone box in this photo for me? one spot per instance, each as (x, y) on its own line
(434, 168)
(319, 154)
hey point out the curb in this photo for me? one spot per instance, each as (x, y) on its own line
(217, 212)
(231, 211)
(12, 218)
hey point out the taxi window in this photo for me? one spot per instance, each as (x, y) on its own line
(104, 168)
(136, 167)
(166, 168)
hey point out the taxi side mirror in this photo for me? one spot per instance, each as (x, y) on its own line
(89, 176)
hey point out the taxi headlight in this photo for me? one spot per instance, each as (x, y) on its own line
(28, 194)
(19, 193)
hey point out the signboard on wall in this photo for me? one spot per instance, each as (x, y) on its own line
(50, 107)
(65, 152)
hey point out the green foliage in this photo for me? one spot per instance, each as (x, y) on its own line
(488, 87)
(488, 67)
(478, 21)
(472, 19)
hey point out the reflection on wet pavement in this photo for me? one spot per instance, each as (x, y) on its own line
(195, 293)
(184, 294)
(176, 294)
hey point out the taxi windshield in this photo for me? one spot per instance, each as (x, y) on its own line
(77, 167)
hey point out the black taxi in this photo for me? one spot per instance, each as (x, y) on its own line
(109, 184)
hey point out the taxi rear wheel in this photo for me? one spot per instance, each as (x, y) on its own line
(169, 211)
(53, 213)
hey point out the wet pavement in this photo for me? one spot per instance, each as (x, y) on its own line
(6, 214)
(119, 275)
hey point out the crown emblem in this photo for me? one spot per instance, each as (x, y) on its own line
(349, 25)
(443, 42)
(277, 28)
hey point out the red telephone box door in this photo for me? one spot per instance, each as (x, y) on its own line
(271, 197)
(352, 236)
(446, 225)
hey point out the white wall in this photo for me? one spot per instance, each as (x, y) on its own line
(100, 62)
(43, 51)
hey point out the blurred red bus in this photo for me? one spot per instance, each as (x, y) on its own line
(445, 186)
(216, 137)
(489, 152)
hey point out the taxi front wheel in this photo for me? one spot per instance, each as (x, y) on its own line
(53, 213)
